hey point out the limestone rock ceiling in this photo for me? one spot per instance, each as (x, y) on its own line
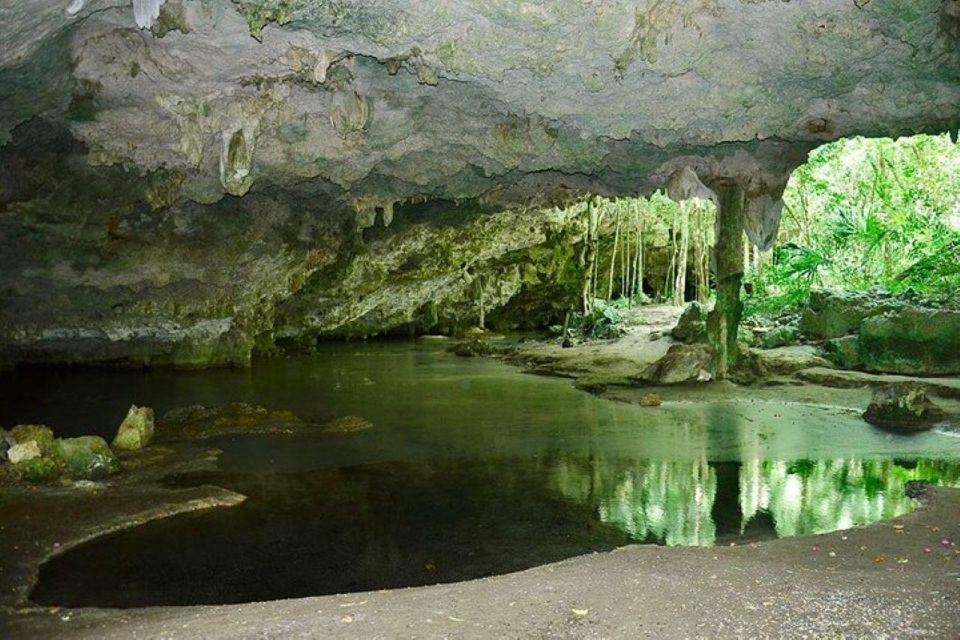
(383, 101)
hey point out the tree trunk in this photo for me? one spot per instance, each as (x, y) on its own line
(590, 261)
(723, 321)
(613, 257)
(680, 286)
(483, 315)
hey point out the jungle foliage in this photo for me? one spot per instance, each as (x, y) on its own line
(863, 213)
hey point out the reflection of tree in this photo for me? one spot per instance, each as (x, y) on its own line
(806, 497)
(671, 502)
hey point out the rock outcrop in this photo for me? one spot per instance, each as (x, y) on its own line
(913, 341)
(882, 333)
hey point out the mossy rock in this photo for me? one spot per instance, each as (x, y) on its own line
(23, 433)
(832, 313)
(136, 430)
(692, 325)
(844, 352)
(914, 341)
(902, 407)
(86, 458)
(38, 470)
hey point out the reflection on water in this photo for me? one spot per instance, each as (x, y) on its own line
(674, 502)
(471, 469)
(808, 497)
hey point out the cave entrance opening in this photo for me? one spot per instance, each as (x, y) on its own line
(865, 214)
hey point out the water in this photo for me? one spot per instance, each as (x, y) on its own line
(471, 469)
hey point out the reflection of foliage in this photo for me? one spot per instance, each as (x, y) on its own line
(668, 502)
(672, 502)
(863, 212)
(807, 497)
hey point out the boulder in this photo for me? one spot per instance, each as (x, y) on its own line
(38, 469)
(780, 337)
(86, 458)
(913, 341)
(682, 363)
(902, 406)
(136, 430)
(692, 325)
(24, 451)
(833, 313)
(844, 352)
(43, 436)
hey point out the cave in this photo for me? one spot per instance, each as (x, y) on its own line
(361, 319)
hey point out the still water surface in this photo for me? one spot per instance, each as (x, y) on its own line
(471, 469)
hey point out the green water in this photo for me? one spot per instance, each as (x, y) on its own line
(471, 469)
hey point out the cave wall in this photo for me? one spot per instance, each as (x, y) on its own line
(194, 192)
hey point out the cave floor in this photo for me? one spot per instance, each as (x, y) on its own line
(894, 579)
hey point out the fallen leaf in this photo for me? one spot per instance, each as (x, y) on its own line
(454, 619)
(580, 612)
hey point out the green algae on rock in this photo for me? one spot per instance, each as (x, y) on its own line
(136, 430)
(38, 469)
(42, 435)
(86, 458)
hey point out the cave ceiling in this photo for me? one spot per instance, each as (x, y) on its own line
(375, 102)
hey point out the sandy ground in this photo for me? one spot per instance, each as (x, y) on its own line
(897, 579)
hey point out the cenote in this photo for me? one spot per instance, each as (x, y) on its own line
(479, 319)
(472, 468)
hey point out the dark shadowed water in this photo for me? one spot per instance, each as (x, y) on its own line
(471, 469)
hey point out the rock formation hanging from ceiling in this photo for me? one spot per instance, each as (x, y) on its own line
(248, 131)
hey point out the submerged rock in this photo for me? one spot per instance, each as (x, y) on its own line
(23, 452)
(86, 458)
(471, 348)
(348, 424)
(199, 422)
(914, 341)
(682, 363)
(692, 325)
(650, 400)
(902, 406)
(136, 430)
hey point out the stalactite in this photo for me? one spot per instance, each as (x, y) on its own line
(146, 11)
